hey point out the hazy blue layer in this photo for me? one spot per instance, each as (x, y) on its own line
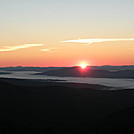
(115, 83)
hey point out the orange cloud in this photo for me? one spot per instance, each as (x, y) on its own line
(48, 49)
(12, 48)
(90, 41)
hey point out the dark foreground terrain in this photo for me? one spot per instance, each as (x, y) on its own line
(51, 108)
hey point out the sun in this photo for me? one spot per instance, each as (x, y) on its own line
(83, 65)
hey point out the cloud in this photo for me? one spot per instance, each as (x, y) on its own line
(45, 50)
(12, 48)
(90, 41)
(48, 49)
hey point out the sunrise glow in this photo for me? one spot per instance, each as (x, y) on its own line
(83, 65)
(45, 33)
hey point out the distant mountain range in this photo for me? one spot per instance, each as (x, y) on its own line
(89, 72)
(40, 69)
(114, 68)
(20, 68)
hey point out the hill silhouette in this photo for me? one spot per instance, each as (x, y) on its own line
(41, 69)
(88, 72)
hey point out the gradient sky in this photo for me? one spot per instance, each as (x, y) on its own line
(36, 32)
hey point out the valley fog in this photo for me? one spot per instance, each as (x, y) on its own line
(111, 82)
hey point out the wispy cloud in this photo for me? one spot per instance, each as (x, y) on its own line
(48, 49)
(45, 50)
(12, 48)
(90, 41)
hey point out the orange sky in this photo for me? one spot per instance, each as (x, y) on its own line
(66, 54)
(33, 32)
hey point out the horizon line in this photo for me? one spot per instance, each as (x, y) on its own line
(65, 66)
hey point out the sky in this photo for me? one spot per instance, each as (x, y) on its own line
(66, 32)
